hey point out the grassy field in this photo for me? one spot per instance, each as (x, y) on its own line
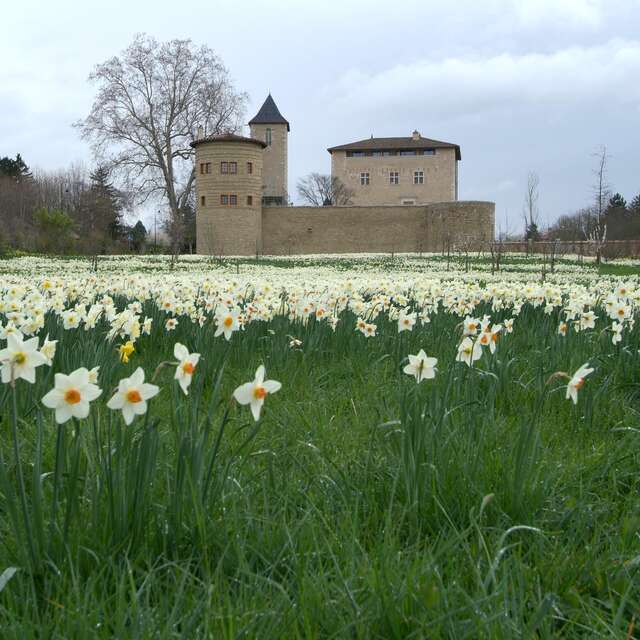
(481, 503)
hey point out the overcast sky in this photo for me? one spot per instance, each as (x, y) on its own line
(522, 85)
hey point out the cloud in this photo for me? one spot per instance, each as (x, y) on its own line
(535, 13)
(458, 86)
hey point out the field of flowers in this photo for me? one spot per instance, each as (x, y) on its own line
(319, 447)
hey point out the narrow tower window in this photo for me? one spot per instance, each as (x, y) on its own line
(224, 167)
(249, 201)
(233, 167)
(203, 201)
(268, 137)
(249, 167)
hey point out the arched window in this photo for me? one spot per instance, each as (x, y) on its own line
(268, 137)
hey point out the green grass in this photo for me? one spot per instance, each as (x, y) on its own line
(481, 504)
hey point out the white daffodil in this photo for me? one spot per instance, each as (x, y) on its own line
(71, 395)
(421, 367)
(93, 375)
(20, 358)
(171, 324)
(471, 326)
(254, 393)
(48, 349)
(406, 321)
(132, 395)
(9, 329)
(227, 322)
(576, 382)
(616, 328)
(469, 351)
(187, 363)
(369, 330)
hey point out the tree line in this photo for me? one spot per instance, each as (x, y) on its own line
(69, 211)
(608, 216)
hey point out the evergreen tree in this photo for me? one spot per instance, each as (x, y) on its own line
(15, 168)
(532, 232)
(106, 205)
(138, 235)
(634, 207)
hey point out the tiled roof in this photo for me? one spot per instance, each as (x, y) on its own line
(269, 114)
(396, 144)
(227, 137)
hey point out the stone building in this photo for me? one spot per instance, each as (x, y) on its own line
(241, 196)
(409, 171)
(270, 126)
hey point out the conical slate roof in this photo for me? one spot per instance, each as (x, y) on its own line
(269, 114)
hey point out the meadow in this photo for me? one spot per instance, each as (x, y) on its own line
(485, 487)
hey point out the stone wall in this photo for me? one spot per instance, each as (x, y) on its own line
(300, 230)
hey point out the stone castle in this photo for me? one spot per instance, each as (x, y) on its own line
(403, 196)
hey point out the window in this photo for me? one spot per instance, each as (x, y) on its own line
(418, 177)
(389, 153)
(429, 152)
(355, 154)
(203, 201)
(376, 153)
(394, 177)
(407, 153)
(249, 201)
(233, 167)
(224, 167)
(364, 178)
(233, 200)
(267, 137)
(205, 167)
(249, 167)
(408, 202)
(224, 199)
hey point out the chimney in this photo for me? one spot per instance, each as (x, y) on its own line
(200, 133)
(416, 135)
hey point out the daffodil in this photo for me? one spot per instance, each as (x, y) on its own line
(469, 351)
(187, 363)
(253, 393)
(227, 321)
(20, 359)
(421, 367)
(577, 381)
(125, 350)
(132, 395)
(71, 395)
(48, 350)
(406, 321)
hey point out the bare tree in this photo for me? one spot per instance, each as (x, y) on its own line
(531, 211)
(601, 193)
(150, 102)
(322, 190)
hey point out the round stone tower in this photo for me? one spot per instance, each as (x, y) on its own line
(229, 186)
(270, 126)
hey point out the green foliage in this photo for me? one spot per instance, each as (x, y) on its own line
(55, 230)
(480, 504)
